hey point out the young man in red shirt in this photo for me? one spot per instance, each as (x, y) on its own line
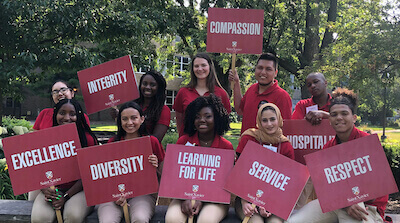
(266, 89)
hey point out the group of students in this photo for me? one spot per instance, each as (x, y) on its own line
(202, 115)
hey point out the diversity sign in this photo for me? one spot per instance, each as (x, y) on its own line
(108, 84)
(117, 169)
(266, 178)
(196, 173)
(237, 31)
(350, 173)
(42, 159)
(307, 138)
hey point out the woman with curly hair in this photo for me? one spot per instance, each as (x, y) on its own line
(342, 113)
(203, 81)
(206, 121)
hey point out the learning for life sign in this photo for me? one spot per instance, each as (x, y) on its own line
(108, 84)
(237, 31)
(117, 169)
(307, 138)
(43, 158)
(266, 179)
(196, 173)
(351, 172)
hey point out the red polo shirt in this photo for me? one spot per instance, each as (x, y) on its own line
(219, 142)
(300, 109)
(284, 148)
(380, 202)
(165, 118)
(251, 99)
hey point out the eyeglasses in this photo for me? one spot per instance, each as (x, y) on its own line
(62, 90)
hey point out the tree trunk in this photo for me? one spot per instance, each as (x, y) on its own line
(312, 40)
(332, 14)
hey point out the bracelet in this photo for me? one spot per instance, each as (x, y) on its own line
(66, 197)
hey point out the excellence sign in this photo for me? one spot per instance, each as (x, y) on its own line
(117, 169)
(196, 173)
(266, 178)
(42, 159)
(307, 138)
(237, 31)
(108, 84)
(351, 172)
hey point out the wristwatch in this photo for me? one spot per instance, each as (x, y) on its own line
(66, 197)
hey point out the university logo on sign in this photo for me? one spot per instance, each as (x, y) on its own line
(49, 174)
(195, 188)
(259, 193)
(121, 187)
(356, 190)
(111, 97)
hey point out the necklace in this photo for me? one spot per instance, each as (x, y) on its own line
(205, 143)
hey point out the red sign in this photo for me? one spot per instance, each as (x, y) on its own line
(267, 179)
(237, 31)
(197, 173)
(350, 173)
(115, 169)
(108, 84)
(42, 159)
(306, 138)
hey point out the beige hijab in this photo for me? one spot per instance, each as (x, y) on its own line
(260, 134)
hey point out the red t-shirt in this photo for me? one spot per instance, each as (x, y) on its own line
(165, 118)
(45, 119)
(155, 145)
(300, 109)
(284, 148)
(380, 202)
(251, 99)
(219, 141)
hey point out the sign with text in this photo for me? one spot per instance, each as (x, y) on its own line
(115, 169)
(266, 178)
(238, 31)
(198, 173)
(306, 138)
(108, 84)
(350, 173)
(43, 158)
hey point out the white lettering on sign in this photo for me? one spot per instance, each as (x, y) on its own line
(46, 154)
(107, 82)
(268, 175)
(116, 167)
(348, 169)
(308, 141)
(199, 159)
(238, 28)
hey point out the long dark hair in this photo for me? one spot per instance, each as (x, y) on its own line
(81, 124)
(121, 132)
(153, 112)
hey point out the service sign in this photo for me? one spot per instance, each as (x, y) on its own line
(108, 84)
(198, 173)
(266, 178)
(117, 169)
(238, 31)
(350, 173)
(306, 138)
(43, 158)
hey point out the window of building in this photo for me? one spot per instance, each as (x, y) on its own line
(170, 98)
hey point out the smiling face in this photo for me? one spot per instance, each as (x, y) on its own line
(149, 86)
(341, 118)
(316, 85)
(269, 121)
(66, 114)
(265, 72)
(204, 121)
(201, 68)
(131, 122)
(60, 91)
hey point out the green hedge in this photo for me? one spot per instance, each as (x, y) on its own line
(392, 151)
(6, 191)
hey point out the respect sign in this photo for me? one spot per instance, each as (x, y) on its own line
(43, 158)
(266, 178)
(235, 30)
(117, 169)
(350, 173)
(108, 84)
(307, 138)
(197, 173)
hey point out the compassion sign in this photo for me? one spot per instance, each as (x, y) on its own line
(266, 178)
(306, 138)
(108, 84)
(351, 172)
(235, 30)
(197, 173)
(117, 169)
(42, 159)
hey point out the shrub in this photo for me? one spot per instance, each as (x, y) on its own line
(169, 138)
(6, 191)
(10, 123)
(392, 151)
